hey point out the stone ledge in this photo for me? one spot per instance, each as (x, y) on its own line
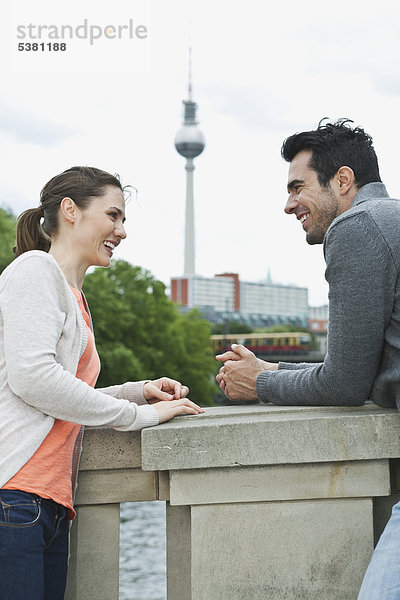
(280, 482)
(268, 434)
(116, 485)
(110, 449)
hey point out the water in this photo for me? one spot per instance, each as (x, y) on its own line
(142, 560)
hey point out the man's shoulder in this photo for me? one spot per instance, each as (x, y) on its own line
(367, 228)
(379, 213)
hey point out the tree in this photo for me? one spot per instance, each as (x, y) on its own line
(190, 356)
(7, 237)
(140, 333)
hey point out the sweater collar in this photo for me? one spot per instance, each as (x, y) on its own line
(370, 191)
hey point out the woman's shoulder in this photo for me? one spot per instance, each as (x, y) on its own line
(34, 264)
(29, 260)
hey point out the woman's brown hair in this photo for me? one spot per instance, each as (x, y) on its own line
(35, 226)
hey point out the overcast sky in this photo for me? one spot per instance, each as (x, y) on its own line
(259, 75)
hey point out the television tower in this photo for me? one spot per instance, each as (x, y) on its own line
(189, 142)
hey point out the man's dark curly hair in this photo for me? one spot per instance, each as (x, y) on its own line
(335, 145)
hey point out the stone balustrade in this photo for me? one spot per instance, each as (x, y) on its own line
(263, 502)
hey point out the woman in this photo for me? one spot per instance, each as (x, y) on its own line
(48, 369)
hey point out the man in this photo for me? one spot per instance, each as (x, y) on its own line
(336, 194)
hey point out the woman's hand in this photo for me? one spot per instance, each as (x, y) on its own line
(168, 397)
(164, 389)
(171, 408)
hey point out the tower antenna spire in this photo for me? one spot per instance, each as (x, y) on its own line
(190, 73)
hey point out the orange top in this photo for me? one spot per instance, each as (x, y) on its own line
(48, 473)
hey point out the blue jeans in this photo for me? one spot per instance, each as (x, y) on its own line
(33, 547)
(382, 579)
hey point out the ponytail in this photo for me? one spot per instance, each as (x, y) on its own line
(30, 233)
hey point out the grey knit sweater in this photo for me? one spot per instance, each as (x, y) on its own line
(362, 254)
(42, 337)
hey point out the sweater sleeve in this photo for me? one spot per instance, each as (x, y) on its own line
(33, 324)
(361, 278)
(131, 390)
(292, 366)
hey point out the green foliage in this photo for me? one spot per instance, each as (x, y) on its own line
(116, 361)
(191, 358)
(140, 333)
(7, 237)
(231, 327)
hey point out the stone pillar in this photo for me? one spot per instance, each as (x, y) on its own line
(108, 475)
(230, 536)
(179, 552)
(271, 502)
(94, 555)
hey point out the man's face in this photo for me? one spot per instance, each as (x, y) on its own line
(314, 206)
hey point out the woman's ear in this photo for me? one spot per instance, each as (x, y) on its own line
(68, 209)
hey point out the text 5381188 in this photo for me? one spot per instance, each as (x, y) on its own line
(42, 47)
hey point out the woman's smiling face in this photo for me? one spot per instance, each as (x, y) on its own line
(100, 228)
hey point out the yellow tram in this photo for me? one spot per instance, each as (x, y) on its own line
(264, 343)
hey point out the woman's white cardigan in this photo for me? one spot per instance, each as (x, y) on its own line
(42, 337)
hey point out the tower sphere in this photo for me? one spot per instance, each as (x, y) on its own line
(189, 141)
